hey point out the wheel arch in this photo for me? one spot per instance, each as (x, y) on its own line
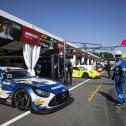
(85, 73)
(26, 89)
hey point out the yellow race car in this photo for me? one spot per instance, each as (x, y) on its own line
(82, 72)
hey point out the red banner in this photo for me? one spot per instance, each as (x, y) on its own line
(74, 52)
(30, 36)
(123, 43)
(60, 46)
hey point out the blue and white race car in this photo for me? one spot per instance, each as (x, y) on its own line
(18, 88)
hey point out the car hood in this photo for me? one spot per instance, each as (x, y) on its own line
(44, 84)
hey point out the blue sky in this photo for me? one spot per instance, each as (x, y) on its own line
(91, 21)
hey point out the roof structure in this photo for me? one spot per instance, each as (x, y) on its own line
(22, 22)
(16, 45)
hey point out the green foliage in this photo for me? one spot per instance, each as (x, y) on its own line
(105, 55)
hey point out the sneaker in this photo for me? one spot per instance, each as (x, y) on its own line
(119, 104)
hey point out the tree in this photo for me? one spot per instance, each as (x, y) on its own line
(105, 55)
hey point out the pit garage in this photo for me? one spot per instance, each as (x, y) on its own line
(25, 45)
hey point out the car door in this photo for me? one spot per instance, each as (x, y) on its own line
(76, 72)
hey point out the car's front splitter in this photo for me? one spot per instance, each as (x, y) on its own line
(46, 110)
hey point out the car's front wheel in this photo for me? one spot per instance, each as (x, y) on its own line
(85, 75)
(22, 100)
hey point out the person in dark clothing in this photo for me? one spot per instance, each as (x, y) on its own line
(61, 73)
(108, 68)
(38, 69)
(69, 71)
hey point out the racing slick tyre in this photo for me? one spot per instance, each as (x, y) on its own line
(22, 100)
(85, 75)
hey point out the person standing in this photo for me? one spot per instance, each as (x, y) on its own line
(38, 69)
(119, 76)
(69, 71)
(108, 67)
(61, 73)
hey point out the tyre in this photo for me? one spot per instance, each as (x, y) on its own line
(85, 75)
(22, 100)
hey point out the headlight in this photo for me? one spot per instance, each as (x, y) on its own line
(41, 93)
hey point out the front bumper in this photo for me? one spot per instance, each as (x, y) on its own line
(96, 77)
(56, 103)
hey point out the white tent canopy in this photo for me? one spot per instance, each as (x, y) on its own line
(31, 55)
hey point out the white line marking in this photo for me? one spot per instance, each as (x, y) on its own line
(28, 112)
(15, 119)
(79, 85)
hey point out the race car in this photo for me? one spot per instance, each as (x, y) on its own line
(81, 72)
(19, 89)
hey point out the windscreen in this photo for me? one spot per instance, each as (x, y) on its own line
(83, 68)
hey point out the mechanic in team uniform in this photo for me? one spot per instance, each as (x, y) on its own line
(108, 67)
(69, 71)
(120, 76)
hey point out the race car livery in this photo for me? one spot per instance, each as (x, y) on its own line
(81, 72)
(18, 88)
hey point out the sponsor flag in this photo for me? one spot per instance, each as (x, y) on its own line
(123, 43)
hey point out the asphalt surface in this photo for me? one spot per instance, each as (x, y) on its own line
(91, 104)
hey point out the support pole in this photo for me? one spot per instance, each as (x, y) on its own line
(64, 55)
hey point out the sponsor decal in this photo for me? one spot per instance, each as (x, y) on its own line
(30, 36)
(63, 90)
(7, 82)
(8, 76)
(39, 102)
(56, 87)
(26, 82)
(45, 81)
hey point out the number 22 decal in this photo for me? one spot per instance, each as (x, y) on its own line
(9, 76)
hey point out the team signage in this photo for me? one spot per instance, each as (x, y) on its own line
(68, 49)
(60, 46)
(16, 31)
(45, 40)
(6, 28)
(9, 31)
(30, 36)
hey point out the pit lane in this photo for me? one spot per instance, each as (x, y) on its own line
(100, 111)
